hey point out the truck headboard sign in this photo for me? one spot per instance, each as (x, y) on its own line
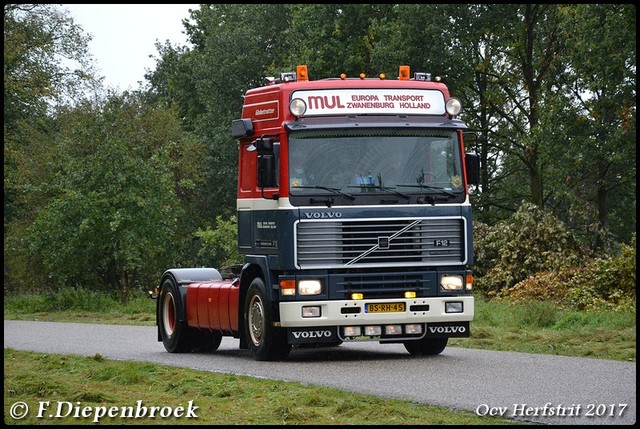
(372, 102)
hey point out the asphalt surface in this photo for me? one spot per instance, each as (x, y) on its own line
(530, 387)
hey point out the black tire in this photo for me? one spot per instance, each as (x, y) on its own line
(265, 342)
(209, 341)
(426, 346)
(176, 335)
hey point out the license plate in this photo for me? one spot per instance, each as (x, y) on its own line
(388, 307)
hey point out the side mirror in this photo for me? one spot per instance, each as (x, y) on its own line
(472, 161)
(241, 128)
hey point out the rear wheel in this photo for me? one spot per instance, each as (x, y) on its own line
(177, 337)
(209, 341)
(265, 341)
(426, 346)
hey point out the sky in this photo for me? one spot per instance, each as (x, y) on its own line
(124, 35)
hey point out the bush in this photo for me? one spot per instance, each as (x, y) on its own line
(601, 283)
(531, 241)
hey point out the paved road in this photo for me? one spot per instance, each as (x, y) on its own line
(481, 381)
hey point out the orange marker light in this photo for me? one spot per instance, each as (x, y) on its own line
(404, 73)
(302, 73)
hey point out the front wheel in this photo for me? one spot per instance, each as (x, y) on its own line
(426, 346)
(176, 336)
(265, 341)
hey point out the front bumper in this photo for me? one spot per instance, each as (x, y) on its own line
(352, 312)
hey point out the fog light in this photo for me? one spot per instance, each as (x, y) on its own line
(413, 329)
(410, 294)
(372, 330)
(357, 296)
(453, 307)
(352, 331)
(311, 311)
(393, 329)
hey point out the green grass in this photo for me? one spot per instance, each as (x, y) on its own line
(74, 382)
(542, 327)
(77, 305)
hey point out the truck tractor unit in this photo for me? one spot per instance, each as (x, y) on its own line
(354, 222)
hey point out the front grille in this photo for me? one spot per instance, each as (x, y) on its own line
(381, 242)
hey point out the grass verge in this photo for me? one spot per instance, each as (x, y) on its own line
(59, 387)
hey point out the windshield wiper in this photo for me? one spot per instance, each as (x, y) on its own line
(382, 188)
(334, 190)
(431, 188)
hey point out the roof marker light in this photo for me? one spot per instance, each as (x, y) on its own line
(302, 73)
(404, 73)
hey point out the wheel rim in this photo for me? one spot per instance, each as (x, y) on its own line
(168, 314)
(256, 320)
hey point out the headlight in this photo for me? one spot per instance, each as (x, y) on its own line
(451, 282)
(297, 107)
(309, 287)
(453, 106)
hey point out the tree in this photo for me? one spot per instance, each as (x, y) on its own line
(46, 62)
(338, 38)
(234, 46)
(594, 125)
(113, 219)
(42, 46)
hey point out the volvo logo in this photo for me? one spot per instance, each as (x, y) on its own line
(447, 329)
(312, 334)
(323, 215)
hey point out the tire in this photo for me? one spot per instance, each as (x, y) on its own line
(209, 341)
(426, 346)
(265, 342)
(176, 335)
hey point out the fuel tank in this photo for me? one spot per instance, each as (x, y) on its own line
(214, 306)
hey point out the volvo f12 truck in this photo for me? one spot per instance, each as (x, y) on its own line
(354, 221)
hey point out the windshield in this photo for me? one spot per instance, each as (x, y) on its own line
(374, 161)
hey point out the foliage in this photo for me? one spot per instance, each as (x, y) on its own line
(602, 282)
(42, 44)
(530, 242)
(591, 121)
(113, 207)
(64, 299)
(220, 245)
